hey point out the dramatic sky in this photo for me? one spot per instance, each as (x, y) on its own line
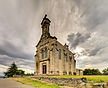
(82, 24)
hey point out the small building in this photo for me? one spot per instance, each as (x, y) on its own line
(79, 72)
(53, 58)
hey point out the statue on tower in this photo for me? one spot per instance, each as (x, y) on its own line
(45, 21)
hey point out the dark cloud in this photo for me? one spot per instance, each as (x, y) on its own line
(17, 37)
(82, 22)
(5, 60)
(95, 51)
(78, 38)
(95, 12)
(94, 61)
(90, 17)
(12, 51)
(20, 62)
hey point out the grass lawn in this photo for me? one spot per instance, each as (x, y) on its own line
(90, 80)
(94, 78)
(35, 83)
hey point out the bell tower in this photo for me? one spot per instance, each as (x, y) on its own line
(45, 27)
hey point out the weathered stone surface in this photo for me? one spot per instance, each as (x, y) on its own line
(106, 83)
(73, 82)
(53, 58)
(98, 85)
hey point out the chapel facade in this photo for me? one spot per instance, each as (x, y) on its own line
(53, 58)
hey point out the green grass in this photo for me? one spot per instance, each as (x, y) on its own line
(35, 83)
(93, 78)
(90, 79)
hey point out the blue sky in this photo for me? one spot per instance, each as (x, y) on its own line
(82, 24)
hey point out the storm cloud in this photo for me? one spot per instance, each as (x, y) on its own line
(80, 23)
(78, 38)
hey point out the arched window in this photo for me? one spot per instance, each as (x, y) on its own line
(66, 57)
(71, 58)
(59, 53)
(46, 52)
(42, 52)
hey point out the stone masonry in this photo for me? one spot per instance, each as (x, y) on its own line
(53, 58)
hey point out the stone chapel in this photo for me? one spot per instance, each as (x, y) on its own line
(53, 58)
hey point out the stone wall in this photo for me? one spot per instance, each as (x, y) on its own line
(73, 82)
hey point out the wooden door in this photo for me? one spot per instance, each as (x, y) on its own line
(44, 69)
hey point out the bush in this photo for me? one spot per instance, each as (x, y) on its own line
(105, 71)
(91, 72)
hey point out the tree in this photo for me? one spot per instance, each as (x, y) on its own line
(91, 72)
(13, 70)
(87, 72)
(105, 71)
(20, 72)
